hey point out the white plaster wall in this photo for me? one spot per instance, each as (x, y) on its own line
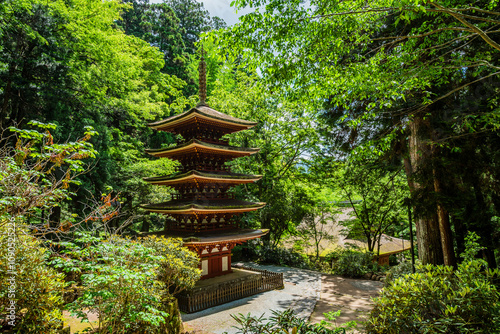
(204, 267)
(224, 263)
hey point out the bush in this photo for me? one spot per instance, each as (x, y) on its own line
(400, 270)
(351, 263)
(127, 283)
(38, 288)
(267, 253)
(281, 322)
(179, 266)
(438, 299)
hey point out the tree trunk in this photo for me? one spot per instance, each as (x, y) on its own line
(4, 114)
(54, 222)
(173, 322)
(145, 223)
(460, 233)
(426, 222)
(444, 226)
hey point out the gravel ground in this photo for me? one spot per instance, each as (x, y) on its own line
(302, 291)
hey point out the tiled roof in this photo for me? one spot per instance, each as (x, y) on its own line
(192, 238)
(222, 175)
(204, 111)
(196, 142)
(388, 244)
(202, 204)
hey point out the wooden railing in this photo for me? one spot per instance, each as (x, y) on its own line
(226, 292)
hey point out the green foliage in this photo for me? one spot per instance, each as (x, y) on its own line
(317, 226)
(173, 26)
(36, 173)
(281, 323)
(351, 263)
(353, 51)
(126, 282)
(380, 190)
(439, 299)
(37, 287)
(268, 253)
(69, 63)
(179, 266)
(439, 112)
(285, 134)
(400, 270)
(194, 19)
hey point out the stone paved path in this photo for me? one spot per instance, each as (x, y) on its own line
(301, 292)
(308, 293)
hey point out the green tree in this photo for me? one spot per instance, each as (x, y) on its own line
(317, 226)
(393, 66)
(70, 64)
(380, 192)
(129, 284)
(29, 184)
(194, 19)
(132, 19)
(285, 134)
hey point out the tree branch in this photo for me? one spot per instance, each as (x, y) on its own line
(456, 90)
(460, 18)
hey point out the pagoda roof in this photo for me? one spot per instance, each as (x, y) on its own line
(170, 124)
(200, 206)
(214, 237)
(195, 145)
(197, 176)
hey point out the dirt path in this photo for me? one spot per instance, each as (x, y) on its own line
(351, 296)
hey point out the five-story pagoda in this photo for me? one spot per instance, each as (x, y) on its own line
(202, 211)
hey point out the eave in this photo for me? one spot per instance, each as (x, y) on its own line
(202, 177)
(195, 208)
(197, 146)
(203, 112)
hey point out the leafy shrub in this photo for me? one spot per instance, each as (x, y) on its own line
(282, 256)
(438, 299)
(397, 271)
(28, 185)
(351, 263)
(38, 288)
(178, 268)
(127, 283)
(281, 322)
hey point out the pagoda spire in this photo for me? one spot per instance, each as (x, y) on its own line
(202, 69)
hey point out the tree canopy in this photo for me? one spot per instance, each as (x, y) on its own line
(413, 79)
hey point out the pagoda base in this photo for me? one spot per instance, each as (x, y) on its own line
(213, 248)
(240, 283)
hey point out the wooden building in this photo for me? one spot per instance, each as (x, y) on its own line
(202, 212)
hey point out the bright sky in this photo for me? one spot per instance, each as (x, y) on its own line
(222, 9)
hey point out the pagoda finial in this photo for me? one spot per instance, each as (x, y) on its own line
(202, 69)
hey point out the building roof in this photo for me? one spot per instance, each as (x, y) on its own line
(337, 232)
(195, 145)
(171, 123)
(215, 237)
(388, 245)
(200, 206)
(203, 177)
